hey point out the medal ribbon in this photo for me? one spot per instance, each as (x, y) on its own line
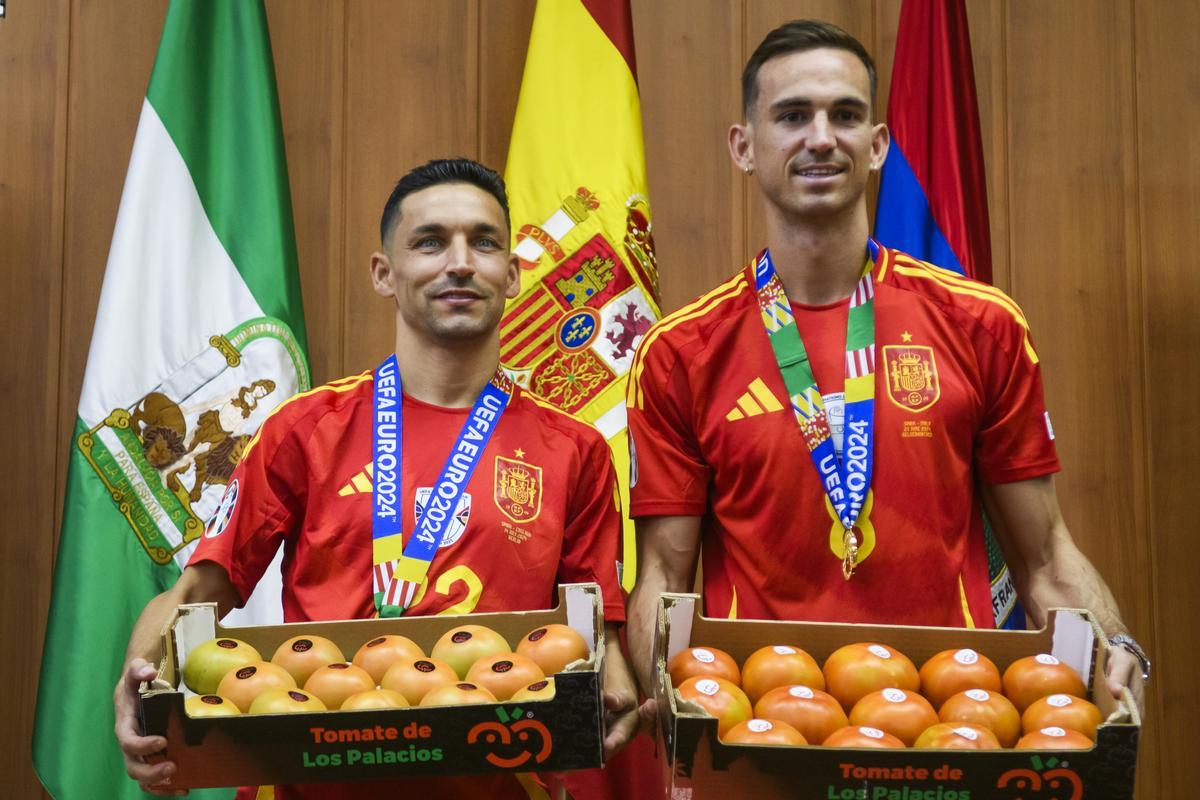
(400, 569)
(848, 479)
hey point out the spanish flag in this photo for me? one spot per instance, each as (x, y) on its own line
(576, 180)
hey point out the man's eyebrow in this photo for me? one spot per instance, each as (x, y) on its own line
(437, 227)
(803, 102)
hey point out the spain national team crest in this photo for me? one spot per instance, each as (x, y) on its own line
(912, 379)
(518, 489)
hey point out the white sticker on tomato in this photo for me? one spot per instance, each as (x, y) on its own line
(1054, 731)
(894, 695)
(966, 656)
(979, 695)
(700, 654)
(880, 651)
(801, 691)
(708, 686)
(1045, 658)
(874, 733)
(1059, 700)
(784, 650)
(967, 733)
(759, 725)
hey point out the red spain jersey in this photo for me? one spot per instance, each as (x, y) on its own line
(540, 509)
(958, 401)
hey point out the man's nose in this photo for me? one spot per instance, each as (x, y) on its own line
(820, 134)
(458, 257)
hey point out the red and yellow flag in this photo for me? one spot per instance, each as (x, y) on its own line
(576, 178)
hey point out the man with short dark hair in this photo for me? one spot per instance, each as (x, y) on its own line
(430, 485)
(829, 421)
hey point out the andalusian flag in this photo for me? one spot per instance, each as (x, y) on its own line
(200, 332)
(576, 180)
(933, 197)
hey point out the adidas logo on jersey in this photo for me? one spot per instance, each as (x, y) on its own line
(359, 484)
(755, 401)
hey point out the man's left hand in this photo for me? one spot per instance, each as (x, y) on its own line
(1124, 671)
(620, 695)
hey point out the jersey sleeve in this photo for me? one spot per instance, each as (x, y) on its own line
(668, 476)
(1015, 440)
(592, 534)
(259, 510)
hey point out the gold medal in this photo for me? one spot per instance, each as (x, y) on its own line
(850, 559)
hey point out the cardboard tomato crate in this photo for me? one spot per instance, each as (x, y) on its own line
(563, 733)
(700, 766)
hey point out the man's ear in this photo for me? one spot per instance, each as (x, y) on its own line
(881, 141)
(740, 148)
(512, 286)
(381, 274)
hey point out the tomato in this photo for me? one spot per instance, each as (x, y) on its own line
(285, 701)
(992, 710)
(504, 674)
(241, 686)
(208, 663)
(953, 671)
(209, 705)
(703, 662)
(301, 656)
(763, 731)
(538, 690)
(381, 652)
(553, 646)
(812, 712)
(856, 670)
(903, 714)
(1034, 677)
(458, 694)
(779, 665)
(719, 698)
(957, 736)
(862, 736)
(1054, 738)
(1062, 711)
(462, 646)
(415, 679)
(374, 699)
(333, 683)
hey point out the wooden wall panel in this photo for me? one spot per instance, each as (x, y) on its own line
(1168, 114)
(411, 95)
(689, 56)
(34, 54)
(503, 39)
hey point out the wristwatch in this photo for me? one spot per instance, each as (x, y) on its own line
(1130, 644)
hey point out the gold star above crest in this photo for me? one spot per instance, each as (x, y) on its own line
(520, 453)
(906, 337)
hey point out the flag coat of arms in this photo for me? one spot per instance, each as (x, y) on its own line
(576, 181)
(199, 334)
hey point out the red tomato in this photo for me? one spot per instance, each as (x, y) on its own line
(953, 671)
(854, 671)
(992, 710)
(720, 698)
(1062, 711)
(862, 736)
(957, 736)
(814, 713)
(1034, 677)
(553, 646)
(779, 665)
(1054, 739)
(703, 662)
(902, 714)
(763, 731)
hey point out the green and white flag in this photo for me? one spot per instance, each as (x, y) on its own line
(199, 334)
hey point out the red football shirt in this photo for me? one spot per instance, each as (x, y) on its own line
(958, 400)
(304, 484)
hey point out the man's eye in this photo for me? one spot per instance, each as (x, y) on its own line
(791, 116)
(428, 243)
(487, 242)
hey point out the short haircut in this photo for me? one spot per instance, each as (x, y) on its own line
(797, 37)
(436, 172)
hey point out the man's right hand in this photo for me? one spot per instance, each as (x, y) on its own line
(153, 778)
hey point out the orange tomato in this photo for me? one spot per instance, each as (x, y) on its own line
(553, 646)
(812, 712)
(763, 731)
(854, 671)
(1054, 738)
(209, 705)
(992, 710)
(285, 701)
(375, 699)
(504, 674)
(902, 714)
(1034, 677)
(458, 694)
(703, 662)
(957, 736)
(333, 683)
(538, 690)
(301, 656)
(719, 698)
(462, 646)
(208, 663)
(953, 671)
(1062, 711)
(862, 736)
(381, 652)
(241, 686)
(779, 665)
(415, 679)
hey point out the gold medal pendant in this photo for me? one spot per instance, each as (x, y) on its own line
(850, 559)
